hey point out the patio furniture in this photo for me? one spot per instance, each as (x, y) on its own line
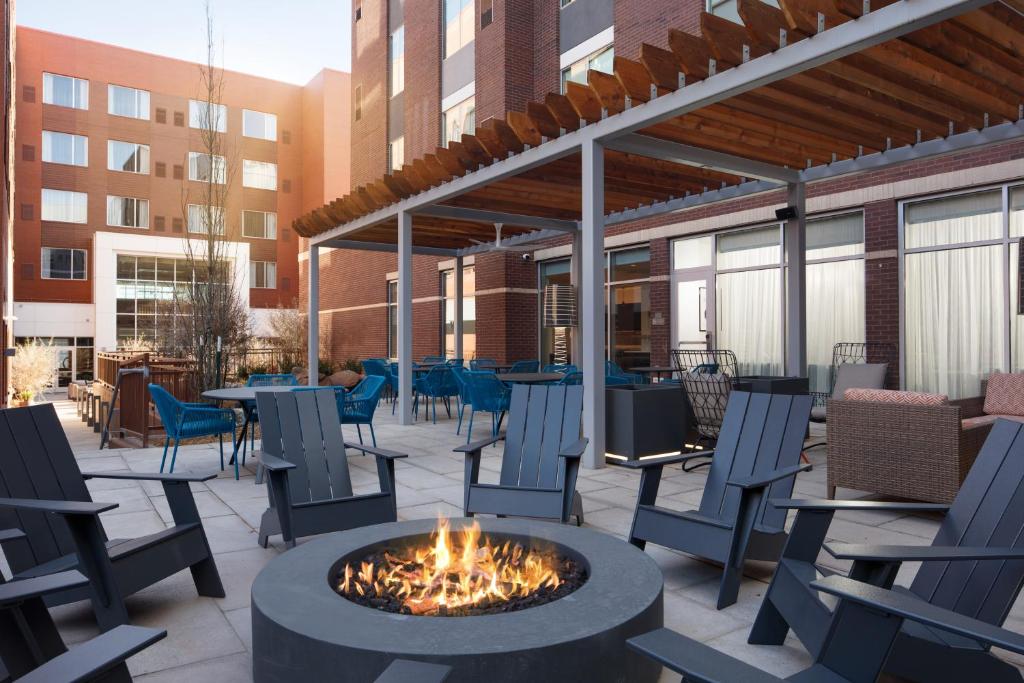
(286, 379)
(659, 371)
(614, 370)
(855, 365)
(45, 496)
(357, 407)
(869, 622)
(531, 377)
(645, 419)
(488, 395)
(482, 363)
(378, 367)
(525, 366)
(464, 397)
(310, 489)
(31, 649)
(439, 383)
(563, 368)
(973, 568)
(430, 360)
(541, 458)
(191, 420)
(902, 444)
(756, 458)
(707, 377)
(571, 379)
(408, 671)
(455, 362)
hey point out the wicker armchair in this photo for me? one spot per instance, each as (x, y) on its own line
(921, 452)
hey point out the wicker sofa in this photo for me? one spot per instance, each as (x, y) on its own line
(903, 450)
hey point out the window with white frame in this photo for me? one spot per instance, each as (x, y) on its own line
(65, 148)
(130, 102)
(458, 25)
(63, 264)
(261, 175)
(459, 119)
(263, 274)
(396, 48)
(64, 206)
(127, 212)
(207, 116)
(257, 124)
(205, 168)
(202, 216)
(65, 91)
(129, 157)
(602, 60)
(259, 224)
(396, 153)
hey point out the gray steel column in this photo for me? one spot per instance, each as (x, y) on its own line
(313, 316)
(592, 324)
(575, 279)
(404, 318)
(796, 282)
(458, 307)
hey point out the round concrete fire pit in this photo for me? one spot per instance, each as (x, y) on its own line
(303, 630)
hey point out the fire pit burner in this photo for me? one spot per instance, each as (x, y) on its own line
(458, 574)
(303, 630)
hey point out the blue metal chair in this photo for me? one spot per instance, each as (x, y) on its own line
(433, 359)
(613, 369)
(393, 385)
(563, 368)
(455, 363)
(356, 407)
(263, 380)
(438, 383)
(571, 379)
(489, 395)
(482, 363)
(464, 398)
(525, 366)
(190, 420)
(378, 367)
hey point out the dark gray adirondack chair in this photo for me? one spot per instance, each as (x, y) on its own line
(407, 671)
(310, 490)
(31, 649)
(43, 493)
(756, 457)
(868, 621)
(541, 459)
(974, 567)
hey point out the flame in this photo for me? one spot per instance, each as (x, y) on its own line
(452, 572)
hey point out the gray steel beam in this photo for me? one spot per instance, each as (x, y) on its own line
(518, 240)
(646, 146)
(592, 309)
(690, 201)
(391, 248)
(466, 214)
(404, 318)
(796, 281)
(313, 318)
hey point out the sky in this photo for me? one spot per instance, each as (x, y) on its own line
(287, 40)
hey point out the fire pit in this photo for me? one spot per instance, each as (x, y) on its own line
(496, 599)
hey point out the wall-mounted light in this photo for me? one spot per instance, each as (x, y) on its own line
(786, 213)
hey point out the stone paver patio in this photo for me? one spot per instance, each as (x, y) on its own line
(209, 639)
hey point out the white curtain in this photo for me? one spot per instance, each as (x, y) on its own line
(835, 313)
(954, 220)
(749, 319)
(65, 206)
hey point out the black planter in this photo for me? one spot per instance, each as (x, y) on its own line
(771, 384)
(645, 419)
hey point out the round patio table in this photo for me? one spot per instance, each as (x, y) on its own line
(244, 396)
(530, 377)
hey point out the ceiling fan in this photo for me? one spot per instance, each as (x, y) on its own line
(496, 245)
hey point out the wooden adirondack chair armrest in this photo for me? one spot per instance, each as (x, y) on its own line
(11, 535)
(60, 507)
(18, 591)
(644, 463)
(155, 476)
(574, 450)
(825, 505)
(760, 481)
(919, 553)
(275, 464)
(915, 609)
(378, 452)
(697, 662)
(478, 446)
(86, 662)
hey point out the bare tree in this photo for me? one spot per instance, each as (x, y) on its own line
(210, 318)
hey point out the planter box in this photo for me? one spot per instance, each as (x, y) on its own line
(771, 384)
(645, 419)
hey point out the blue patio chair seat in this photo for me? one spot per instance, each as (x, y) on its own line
(439, 382)
(613, 369)
(563, 368)
(378, 367)
(489, 395)
(525, 366)
(464, 397)
(190, 420)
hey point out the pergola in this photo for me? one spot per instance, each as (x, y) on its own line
(811, 91)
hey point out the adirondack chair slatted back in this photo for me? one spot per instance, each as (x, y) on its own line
(36, 462)
(760, 433)
(303, 428)
(541, 421)
(988, 511)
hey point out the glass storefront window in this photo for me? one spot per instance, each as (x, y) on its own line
(555, 342)
(954, 220)
(749, 248)
(694, 252)
(468, 312)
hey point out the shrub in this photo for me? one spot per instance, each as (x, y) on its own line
(31, 369)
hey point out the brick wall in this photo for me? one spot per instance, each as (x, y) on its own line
(504, 59)
(422, 96)
(881, 278)
(661, 301)
(649, 22)
(545, 49)
(369, 75)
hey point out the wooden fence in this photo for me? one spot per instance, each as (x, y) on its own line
(134, 411)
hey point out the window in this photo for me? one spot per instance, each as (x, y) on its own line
(130, 102)
(64, 206)
(359, 102)
(262, 274)
(256, 124)
(65, 91)
(727, 9)
(129, 157)
(259, 174)
(602, 60)
(458, 25)
(555, 342)
(396, 154)
(564, 3)
(201, 217)
(448, 303)
(359, 9)
(65, 148)
(486, 13)
(207, 116)
(458, 120)
(261, 224)
(392, 318)
(146, 291)
(396, 50)
(63, 264)
(205, 168)
(127, 212)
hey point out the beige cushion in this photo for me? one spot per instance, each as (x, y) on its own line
(915, 398)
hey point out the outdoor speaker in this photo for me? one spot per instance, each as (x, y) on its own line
(786, 214)
(559, 306)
